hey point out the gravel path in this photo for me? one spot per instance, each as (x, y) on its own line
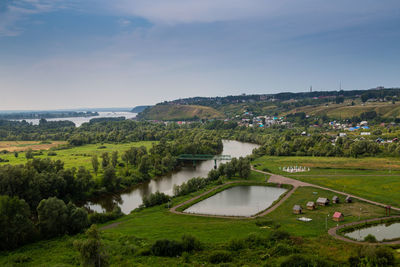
(333, 232)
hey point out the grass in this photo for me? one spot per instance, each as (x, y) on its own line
(181, 112)
(376, 179)
(78, 156)
(144, 227)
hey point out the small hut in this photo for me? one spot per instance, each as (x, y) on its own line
(335, 199)
(311, 205)
(337, 216)
(297, 209)
(322, 201)
(349, 199)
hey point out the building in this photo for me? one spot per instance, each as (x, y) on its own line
(349, 199)
(335, 199)
(337, 216)
(311, 205)
(322, 201)
(297, 209)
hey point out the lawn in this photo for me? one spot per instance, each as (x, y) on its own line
(141, 228)
(78, 156)
(376, 179)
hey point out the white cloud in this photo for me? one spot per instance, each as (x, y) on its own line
(14, 12)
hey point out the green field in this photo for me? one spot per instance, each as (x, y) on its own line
(140, 229)
(376, 179)
(78, 156)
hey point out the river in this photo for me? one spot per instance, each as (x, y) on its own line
(80, 120)
(131, 199)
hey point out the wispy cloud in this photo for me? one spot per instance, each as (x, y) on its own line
(13, 13)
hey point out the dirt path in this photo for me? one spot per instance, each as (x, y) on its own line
(333, 232)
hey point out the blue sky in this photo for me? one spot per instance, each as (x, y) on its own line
(101, 53)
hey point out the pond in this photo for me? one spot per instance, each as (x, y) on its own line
(238, 201)
(380, 231)
(132, 198)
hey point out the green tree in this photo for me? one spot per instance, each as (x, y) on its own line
(109, 179)
(95, 164)
(16, 154)
(91, 250)
(29, 154)
(105, 159)
(15, 224)
(77, 219)
(114, 158)
(145, 165)
(53, 217)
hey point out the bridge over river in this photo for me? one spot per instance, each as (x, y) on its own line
(199, 157)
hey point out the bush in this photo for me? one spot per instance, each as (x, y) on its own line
(283, 249)
(172, 248)
(236, 244)
(297, 261)
(220, 256)
(279, 235)
(155, 199)
(167, 248)
(98, 218)
(51, 153)
(370, 238)
(190, 243)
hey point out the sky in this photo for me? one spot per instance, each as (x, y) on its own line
(57, 54)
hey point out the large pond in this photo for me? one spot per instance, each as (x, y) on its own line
(132, 198)
(381, 232)
(238, 201)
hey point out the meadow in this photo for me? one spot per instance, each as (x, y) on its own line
(376, 179)
(126, 241)
(76, 156)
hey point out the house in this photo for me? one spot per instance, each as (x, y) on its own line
(297, 209)
(335, 199)
(311, 205)
(322, 201)
(349, 199)
(342, 134)
(337, 216)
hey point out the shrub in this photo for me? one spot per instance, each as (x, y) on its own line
(236, 244)
(297, 261)
(167, 248)
(220, 256)
(370, 238)
(97, 218)
(155, 199)
(279, 235)
(190, 243)
(51, 153)
(283, 249)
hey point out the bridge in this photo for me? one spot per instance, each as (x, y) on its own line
(198, 157)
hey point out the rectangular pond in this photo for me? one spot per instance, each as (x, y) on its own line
(238, 201)
(380, 231)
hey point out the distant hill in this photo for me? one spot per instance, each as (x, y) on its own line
(139, 109)
(179, 112)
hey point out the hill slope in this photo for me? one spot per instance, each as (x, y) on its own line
(179, 112)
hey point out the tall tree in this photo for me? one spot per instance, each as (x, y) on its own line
(95, 164)
(15, 224)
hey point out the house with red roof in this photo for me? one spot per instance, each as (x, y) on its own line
(337, 216)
